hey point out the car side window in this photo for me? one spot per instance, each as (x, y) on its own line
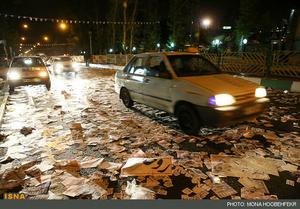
(137, 67)
(157, 68)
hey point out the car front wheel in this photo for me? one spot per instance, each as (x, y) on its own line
(48, 86)
(11, 89)
(188, 119)
(125, 97)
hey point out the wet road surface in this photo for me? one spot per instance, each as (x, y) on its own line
(45, 137)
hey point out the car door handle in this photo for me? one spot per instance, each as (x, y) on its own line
(147, 80)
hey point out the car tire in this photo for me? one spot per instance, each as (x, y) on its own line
(125, 97)
(48, 86)
(11, 89)
(188, 119)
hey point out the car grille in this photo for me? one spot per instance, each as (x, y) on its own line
(245, 98)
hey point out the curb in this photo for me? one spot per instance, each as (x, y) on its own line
(292, 86)
(2, 107)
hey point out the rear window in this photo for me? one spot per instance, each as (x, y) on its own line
(27, 62)
(65, 59)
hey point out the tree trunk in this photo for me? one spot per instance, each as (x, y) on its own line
(132, 25)
(124, 24)
(114, 26)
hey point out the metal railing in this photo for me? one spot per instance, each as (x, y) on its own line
(280, 64)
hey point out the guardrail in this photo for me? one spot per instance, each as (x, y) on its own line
(279, 64)
(115, 59)
(78, 58)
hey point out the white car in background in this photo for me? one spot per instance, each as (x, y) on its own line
(190, 87)
(64, 64)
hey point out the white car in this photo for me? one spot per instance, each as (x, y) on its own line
(190, 87)
(65, 64)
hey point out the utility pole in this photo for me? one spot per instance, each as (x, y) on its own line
(91, 47)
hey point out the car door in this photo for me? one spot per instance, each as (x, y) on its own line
(157, 83)
(135, 74)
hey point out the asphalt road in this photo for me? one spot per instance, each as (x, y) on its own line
(82, 118)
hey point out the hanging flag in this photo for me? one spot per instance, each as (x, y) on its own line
(41, 19)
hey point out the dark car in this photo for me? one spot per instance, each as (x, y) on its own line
(27, 71)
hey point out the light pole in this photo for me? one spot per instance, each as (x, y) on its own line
(91, 47)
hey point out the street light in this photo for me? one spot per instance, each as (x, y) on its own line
(216, 42)
(206, 22)
(133, 49)
(63, 26)
(46, 38)
(23, 38)
(25, 26)
(245, 41)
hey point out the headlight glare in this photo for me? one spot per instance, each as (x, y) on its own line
(43, 74)
(74, 65)
(260, 92)
(59, 66)
(221, 100)
(13, 76)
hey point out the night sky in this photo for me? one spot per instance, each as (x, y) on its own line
(223, 12)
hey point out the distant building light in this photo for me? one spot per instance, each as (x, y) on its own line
(226, 27)
(172, 44)
(134, 49)
(158, 45)
(245, 41)
(110, 50)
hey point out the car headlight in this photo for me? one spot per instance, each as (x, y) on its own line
(260, 92)
(43, 74)
(13, 76)
(221, 100)
(75, 66)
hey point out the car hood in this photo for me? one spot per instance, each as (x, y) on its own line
(222, 83)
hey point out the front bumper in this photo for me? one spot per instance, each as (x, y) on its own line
(221, 116)
(66, 70)
(29, 81)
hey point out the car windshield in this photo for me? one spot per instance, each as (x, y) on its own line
(26, 62)
(192, 65)
(65, 59)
